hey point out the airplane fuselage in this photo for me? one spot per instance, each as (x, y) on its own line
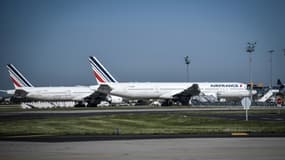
(157, 90)
(76, 93)
(146, 90)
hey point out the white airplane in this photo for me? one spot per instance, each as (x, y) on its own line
(147, 90)
(181, 92)
(24, 89)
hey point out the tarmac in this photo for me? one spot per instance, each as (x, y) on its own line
(262, 148)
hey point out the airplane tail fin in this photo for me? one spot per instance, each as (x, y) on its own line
(17, 78)
(280, 84)
(101, 73)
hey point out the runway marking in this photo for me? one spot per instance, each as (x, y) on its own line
(239, 134)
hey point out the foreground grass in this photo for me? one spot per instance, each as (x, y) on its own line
(136, 124)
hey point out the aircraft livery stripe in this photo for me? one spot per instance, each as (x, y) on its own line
(15, 82)
(98, 77)
(19, 75)
(15, 77)
(102, 70)
(97, 64)
(28, 84)
(95, 68)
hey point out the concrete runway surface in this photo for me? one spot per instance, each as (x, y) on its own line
(158, 149)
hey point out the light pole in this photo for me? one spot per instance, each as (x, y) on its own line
(271, 52)
(250, 48)
(187, 62)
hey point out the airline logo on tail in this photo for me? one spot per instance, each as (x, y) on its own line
(17, 78)
(101, 73)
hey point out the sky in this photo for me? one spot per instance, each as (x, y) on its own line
(49, 41)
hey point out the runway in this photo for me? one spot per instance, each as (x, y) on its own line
(159, 149)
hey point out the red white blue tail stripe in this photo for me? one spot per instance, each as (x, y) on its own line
(101, 73)
(17, 78)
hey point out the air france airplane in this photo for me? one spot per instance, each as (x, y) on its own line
(181, 92)
(145, 90)
(23, 88)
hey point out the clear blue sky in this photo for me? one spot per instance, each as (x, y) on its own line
(50, 40)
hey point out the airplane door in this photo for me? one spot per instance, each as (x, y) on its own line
(68, 94)
(156, 90)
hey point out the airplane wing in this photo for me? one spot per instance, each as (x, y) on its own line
(191, 91)
(20, 93)
(104, 88)
(95, 98)
(185, 95)
(171, 94)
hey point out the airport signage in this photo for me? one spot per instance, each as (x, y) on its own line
(246, 102)
(279, 102)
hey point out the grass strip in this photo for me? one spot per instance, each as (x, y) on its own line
(140, 124)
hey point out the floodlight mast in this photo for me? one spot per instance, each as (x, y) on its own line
(250, 48)
(271, 64)
(271, 52)
(187, 62)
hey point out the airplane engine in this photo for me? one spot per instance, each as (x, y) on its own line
(114, 99)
